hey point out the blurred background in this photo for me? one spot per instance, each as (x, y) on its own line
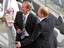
(56, 9)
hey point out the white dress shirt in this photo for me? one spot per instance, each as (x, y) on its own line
(25, 17)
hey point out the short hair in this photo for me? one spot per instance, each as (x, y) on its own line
(44, 11)
(28, 5)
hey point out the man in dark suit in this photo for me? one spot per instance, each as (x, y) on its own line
(46, 38)
(24, 20)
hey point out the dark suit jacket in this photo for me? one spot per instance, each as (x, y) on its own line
(46, 39)
(30, 24)
(53, 18)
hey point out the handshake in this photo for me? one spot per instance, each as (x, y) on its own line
(20, 34)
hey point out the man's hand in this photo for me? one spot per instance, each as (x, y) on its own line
(18, 44)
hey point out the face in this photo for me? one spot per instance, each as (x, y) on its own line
(10, 11)
(24, 8)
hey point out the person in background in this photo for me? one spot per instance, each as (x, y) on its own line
(9, 17)
(9, 20)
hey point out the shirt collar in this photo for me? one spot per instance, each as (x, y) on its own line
(41, 18)
(26, 14)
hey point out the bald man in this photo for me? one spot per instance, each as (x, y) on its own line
(46, 38)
